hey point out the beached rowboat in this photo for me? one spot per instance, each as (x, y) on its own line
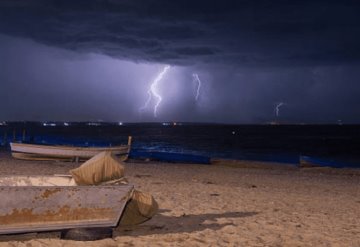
(47, 152)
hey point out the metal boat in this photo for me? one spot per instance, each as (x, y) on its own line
(51, 203)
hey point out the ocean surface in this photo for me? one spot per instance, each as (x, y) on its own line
(279, 143)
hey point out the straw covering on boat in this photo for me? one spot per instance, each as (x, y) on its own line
(141, 207)
(105, 167)
(100, 168)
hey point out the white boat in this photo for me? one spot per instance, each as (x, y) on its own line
(48, 152)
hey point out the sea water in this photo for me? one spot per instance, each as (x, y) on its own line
(279, 143)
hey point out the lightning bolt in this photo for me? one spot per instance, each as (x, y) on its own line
(153, 91)
(197, 79)
(277, 108)
(146, 103)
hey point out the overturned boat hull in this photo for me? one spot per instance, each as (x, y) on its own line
(55, 203)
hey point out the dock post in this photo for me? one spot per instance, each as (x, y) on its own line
(14, 134)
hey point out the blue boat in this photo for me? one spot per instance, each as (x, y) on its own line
(170, 157)
(307, 161)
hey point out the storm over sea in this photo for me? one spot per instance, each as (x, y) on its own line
(279, 143)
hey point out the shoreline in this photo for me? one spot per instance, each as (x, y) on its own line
(217, 205)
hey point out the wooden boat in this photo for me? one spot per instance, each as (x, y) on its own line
(55, 203)
(66, 153)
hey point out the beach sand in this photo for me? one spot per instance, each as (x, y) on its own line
(219, 205)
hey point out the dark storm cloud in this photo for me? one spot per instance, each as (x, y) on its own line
(44, 83)
(322, 94)
(247, 33)
(249, 55)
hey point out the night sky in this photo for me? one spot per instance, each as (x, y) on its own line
(96, 60)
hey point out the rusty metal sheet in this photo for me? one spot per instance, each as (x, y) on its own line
(46, 208)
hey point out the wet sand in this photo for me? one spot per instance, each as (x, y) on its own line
(220, 205)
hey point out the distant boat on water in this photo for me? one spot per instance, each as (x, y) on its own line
(66, 153)
(306, 162)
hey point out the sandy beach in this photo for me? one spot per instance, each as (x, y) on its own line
(217, 205)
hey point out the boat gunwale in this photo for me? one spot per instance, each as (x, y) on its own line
(66, 147)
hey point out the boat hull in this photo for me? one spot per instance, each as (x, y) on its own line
(47, 152)
(306, 161)
(52, 207)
